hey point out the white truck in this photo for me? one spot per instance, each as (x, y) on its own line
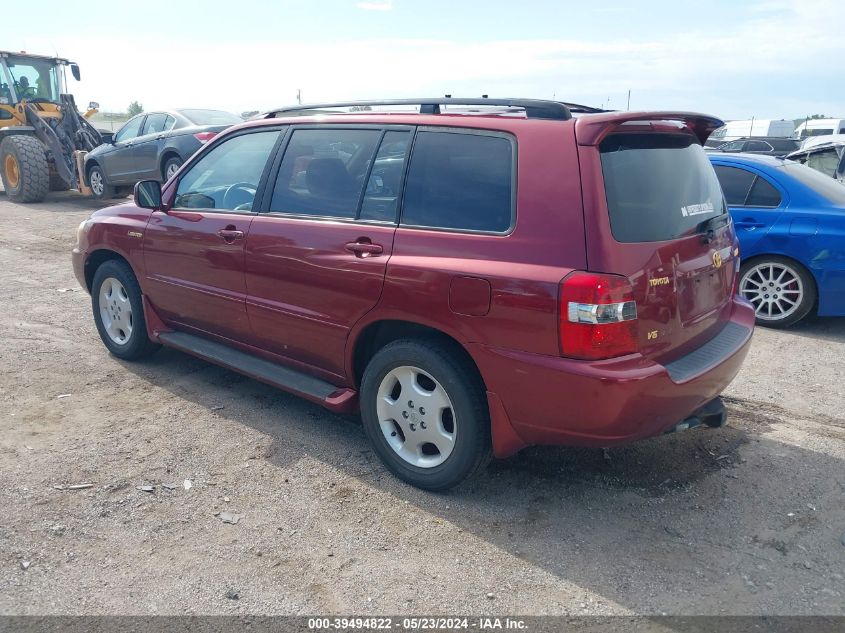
(732, 130)
(820, 127)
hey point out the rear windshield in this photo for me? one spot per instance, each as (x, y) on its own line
(658, 186)
(211, 117)
(825, 186)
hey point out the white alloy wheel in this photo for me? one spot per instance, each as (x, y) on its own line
(774, 289)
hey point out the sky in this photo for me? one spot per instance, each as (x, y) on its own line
(768, 59)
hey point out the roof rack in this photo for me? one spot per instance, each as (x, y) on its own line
(582, 109)
(534, 108)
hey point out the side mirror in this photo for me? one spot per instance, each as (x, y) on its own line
(108, 137)
(93, 105)
(74, 70)
(148, 194)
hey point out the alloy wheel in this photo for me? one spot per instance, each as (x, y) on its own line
(774, 289)
(97, 182)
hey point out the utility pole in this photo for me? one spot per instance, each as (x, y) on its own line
(628, 107)
(299, 96)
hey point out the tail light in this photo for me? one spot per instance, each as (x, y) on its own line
(204, 137)
(598, 316)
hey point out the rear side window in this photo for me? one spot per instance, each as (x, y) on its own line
(758, 146)
(736, 183)
(785, 145)
(385, 182)
(658, 186)
(324, 171)
(762, 194)
(460, 181)
(746, 189)
(155, 123)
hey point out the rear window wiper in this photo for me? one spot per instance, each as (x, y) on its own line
(709, 226)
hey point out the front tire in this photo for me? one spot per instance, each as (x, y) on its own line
(119, 311)
(781, 290)
(97, 181)
(424, 410)
(24, 169)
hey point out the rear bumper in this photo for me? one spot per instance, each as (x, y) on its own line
(552, 400)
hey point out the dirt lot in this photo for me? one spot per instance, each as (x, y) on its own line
(745, 520)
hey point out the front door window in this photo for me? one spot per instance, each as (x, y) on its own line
(227, 177)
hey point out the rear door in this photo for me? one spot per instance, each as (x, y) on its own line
(658, 217)
(755, 202)
(149, 144)
(316, 259)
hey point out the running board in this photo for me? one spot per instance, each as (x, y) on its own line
(338, 399)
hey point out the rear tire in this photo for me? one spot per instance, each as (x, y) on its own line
(24, 169)
(97, 181)
(119, 311)
(171, 166)
(432, 449)
(781, 290)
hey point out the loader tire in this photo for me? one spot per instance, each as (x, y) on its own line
(24, 169)
(57, 183)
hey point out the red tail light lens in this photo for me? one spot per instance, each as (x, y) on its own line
(598, 316)
(204, 137)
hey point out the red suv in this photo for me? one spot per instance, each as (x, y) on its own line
(474, 277)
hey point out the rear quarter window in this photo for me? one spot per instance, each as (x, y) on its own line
(461, 181)
(658, 186)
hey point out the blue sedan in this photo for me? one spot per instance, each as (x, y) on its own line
(790, 220)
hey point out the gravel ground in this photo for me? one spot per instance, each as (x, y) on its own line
(744, 520)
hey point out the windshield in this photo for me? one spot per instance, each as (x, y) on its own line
(211, 117)
(34, 78)
(658, 186)
(828, 188)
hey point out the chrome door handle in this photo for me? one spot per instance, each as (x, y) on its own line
(364, 249)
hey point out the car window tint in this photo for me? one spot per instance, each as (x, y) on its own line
(130, 130)
(227, 176)
(155, 123)
(460, 181)
(763, 194)
(735, 184)
(658, 186)
(383, 186)
(323, 172)
(169, 122)
(786, 145)
(757, 146)
(733, 146)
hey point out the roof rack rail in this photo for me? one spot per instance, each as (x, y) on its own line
(534, 108)
(582, 109)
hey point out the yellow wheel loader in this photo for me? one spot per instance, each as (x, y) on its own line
(43, 137)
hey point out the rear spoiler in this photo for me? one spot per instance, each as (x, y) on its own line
(591, 129)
